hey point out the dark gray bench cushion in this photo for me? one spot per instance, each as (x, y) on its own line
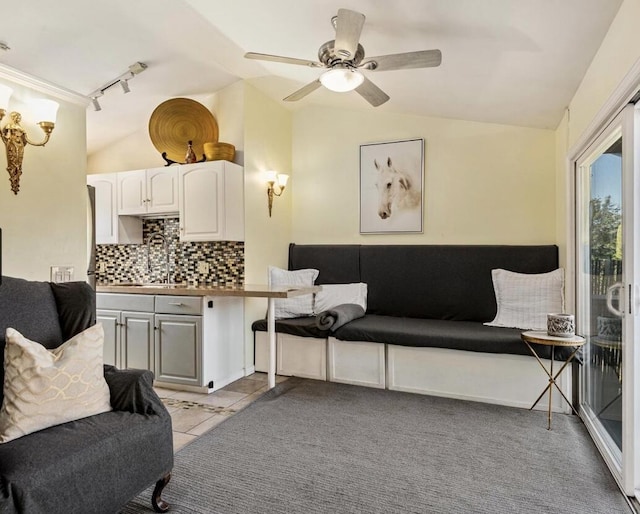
(456, 335)
(302, 327)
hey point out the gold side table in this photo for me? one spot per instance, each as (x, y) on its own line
(541, 337)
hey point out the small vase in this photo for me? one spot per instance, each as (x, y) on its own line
(191, 155)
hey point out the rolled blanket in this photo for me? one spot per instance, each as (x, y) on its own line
(333, 319)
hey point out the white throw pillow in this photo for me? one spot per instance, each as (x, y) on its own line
(524, 300)
(298, 305)
(43, 388)
(333, 295)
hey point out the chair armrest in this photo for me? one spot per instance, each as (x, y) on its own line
(132, 390)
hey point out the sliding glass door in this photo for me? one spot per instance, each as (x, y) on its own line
(605, 268)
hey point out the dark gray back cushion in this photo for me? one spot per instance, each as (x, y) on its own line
(451, 282)
(30, 308)
(76, 302)
(338, 264)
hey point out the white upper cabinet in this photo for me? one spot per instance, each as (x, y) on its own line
(153, 191)
(111, 228)
(211, 201)
(162, 190)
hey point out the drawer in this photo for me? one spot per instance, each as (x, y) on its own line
(125, 302)
(178, 304)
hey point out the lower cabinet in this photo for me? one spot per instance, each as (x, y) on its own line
(128, 338)
(111, 321)
(136, 340)
(185, 340)
(178, 345)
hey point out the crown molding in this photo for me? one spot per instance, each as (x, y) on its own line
(24, 79)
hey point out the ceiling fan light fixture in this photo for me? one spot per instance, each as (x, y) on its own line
(341, 79)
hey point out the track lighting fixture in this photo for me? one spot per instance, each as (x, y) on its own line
(96, 104)
(135, 69)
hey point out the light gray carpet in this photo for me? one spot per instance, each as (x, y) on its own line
(319, 447)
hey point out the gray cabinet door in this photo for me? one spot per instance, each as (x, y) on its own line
(178, 349)
(137, 340)
(111, 324)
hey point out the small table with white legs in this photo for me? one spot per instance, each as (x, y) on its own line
(541, 337)
(273, 293)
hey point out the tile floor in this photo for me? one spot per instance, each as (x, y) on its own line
(193, 414)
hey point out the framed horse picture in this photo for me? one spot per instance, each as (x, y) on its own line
(392, 187)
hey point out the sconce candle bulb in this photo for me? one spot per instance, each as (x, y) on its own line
(275, 180)
(14, 136)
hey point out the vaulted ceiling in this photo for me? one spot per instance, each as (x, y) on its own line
(515, 62)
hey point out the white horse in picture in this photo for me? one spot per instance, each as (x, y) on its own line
(396, 190)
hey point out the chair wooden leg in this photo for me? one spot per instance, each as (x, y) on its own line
(159, 505)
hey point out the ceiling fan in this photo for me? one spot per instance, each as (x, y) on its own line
(344, 58)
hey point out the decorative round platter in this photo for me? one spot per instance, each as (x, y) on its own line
(179, 120)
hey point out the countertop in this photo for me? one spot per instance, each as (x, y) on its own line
(246, 290)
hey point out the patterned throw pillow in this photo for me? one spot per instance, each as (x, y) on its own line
(43, 388)
(298, 305)
(524, 300)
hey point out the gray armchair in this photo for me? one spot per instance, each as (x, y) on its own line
(91, 465)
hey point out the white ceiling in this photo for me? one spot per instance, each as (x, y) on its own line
(516, 62)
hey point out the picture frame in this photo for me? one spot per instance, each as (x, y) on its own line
(392, 187)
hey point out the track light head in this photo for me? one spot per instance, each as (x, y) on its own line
(96, 104)
(124, 84)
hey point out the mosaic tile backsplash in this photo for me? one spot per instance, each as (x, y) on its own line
(148, 262)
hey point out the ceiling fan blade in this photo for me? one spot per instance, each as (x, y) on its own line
(286, 60)
(420, 59)
(304, 91)
(348, 29)
(372, 93)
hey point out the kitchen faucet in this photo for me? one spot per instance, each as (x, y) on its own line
(166, 252)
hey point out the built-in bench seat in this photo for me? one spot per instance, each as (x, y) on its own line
(470, 336)
(423, 330)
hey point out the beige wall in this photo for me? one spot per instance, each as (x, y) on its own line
(136, 151)
(46, 223)
(267, 145)
(615, 57)
(485, 183)
(618, 53)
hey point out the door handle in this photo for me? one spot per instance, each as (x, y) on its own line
(610, 290)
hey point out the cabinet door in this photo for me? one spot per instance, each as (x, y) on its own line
(162, 190)
(201, 188)
(106, 207)
(111, 324)
(132, 192)
(178, 347)
(136, 340)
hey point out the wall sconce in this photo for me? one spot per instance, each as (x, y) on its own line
(15, 137)
(275, 180)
